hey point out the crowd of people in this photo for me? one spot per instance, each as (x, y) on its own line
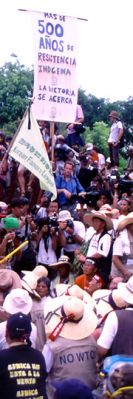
(66, 296)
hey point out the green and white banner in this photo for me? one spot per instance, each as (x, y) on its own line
(29, 149)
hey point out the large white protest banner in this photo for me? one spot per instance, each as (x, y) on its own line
(55, 66)
(29, 149)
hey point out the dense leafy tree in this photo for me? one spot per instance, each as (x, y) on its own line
(16, 84)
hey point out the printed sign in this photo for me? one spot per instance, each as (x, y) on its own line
(55, 67)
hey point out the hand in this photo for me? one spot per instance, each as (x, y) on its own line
(82, 194)
(9, 236)
(62, 225)
(67, 193)
(81, 258)
(52, 230)
(127, 275)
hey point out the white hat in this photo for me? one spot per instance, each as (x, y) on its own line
(64, 216)
(88, 219)
(3, 205)
(106, 301)
(80, 321)
(18, 300)
(126, 290)
(75, 290)
(39, 271)
(125, 221)
(29, 283)
(63, 260)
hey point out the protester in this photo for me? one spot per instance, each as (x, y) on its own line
(22, 368)
(68, 187)
(115, 136)
(16, 301)
(123, 249)
(117, 334)
(71, 349)
(72, 389)
(63, 272)
(100, 243)
(37, 310)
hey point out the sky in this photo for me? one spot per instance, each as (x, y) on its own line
(105, 47)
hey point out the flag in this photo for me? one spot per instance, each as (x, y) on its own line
(28, 148)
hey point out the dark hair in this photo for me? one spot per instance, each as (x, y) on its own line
(44, 280)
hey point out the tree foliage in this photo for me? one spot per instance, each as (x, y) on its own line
(16, 83)
(16, 86)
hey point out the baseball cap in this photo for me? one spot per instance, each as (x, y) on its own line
(72, 389)
(18, 325)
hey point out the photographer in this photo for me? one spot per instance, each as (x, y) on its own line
(47, 242)
(68, 187)
(71, 234)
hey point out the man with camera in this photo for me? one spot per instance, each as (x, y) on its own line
(68, 188)
(71, 234)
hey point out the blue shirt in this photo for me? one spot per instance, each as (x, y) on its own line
(72, 185)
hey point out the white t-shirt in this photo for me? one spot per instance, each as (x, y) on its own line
(79, 229)
(114, 132)
(46, 257)
(4, 344)
(101, 246)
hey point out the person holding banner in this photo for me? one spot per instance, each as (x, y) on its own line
(74, 129)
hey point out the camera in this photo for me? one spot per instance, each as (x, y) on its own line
(53, 222)
(70, 224)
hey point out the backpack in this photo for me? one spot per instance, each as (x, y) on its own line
(118, 373)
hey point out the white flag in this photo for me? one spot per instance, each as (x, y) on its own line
(29, 149)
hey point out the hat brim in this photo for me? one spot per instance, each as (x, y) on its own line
(30, 290)
(63, 289)
(60, 264)
(126, 295)
(10, 307)
(102, 305)
(84, 328)
(88, 219)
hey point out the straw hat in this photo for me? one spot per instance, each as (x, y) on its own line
(39, 271)
(18, 301)
(29, 283)
(125, 221)
(75, 290)
(9, 280)
(72, 318)
(114, 114)
(63, 260)
(88, 219)
(106, 301)
(126, 290)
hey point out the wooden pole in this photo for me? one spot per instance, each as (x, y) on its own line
(52, 140)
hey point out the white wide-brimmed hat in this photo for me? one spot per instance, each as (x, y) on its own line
(39, 271)
(106, 301)
(88, 219)
(29, 283)
(75, 290)
(18, 300)
(69, 317)
(63, 260)
(64, 216)
(126, 290)
(125, 221)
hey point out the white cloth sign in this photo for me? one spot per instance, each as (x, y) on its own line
(29, 149)
(55, 67)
